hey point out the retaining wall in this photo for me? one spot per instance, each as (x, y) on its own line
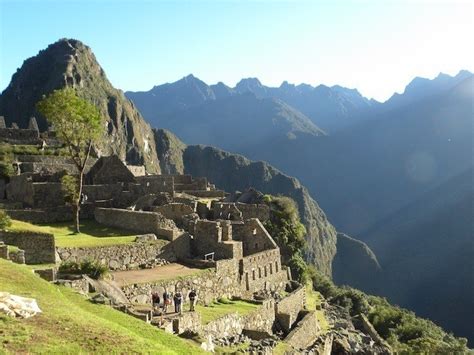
(122, 257)
(39, 247)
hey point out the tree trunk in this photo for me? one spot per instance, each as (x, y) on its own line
(78, 200)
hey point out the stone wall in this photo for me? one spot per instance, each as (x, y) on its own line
(262, 319)
(287, 309)
(226, 210)
(122, 257)
(264, 271)
(19, 136)
(305, 333)
(210, 285)
(254, 236)
(153, 184)
(214, 237)
(260, 211)
(228, 325)
(138, 221)
(39, 247)
(174, 211)
(206, 193)
(102, 192)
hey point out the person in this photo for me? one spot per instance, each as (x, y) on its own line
(166, 301)
(192, 300)
(155, 300)
(178, 299)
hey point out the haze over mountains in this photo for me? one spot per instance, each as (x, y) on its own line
(375, 161)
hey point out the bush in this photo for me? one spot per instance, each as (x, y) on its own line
(5, 220)
(90, 268)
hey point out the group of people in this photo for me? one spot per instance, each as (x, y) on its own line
(162, 304)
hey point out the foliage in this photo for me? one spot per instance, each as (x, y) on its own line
(69, 186)
(70, 324)
(288, 231)
(5, 220)
(88, 267)
(78, 124)
(403, 330)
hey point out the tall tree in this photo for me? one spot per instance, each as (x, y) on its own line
(78, 124)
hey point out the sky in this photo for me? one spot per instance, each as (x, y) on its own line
(375, 46)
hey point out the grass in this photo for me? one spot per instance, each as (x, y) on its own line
(92, 233)
(70, 324)
(313, 301)
(222, 307)
(12, 249)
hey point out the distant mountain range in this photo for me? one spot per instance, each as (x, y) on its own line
(330, 108)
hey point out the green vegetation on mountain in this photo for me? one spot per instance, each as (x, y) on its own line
(402, 329)
(69, 324)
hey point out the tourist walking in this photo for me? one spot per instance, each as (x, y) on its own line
(166, 301)
(178, 299)
(192, 300)
(155, 300)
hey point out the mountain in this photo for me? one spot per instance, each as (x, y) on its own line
(239, 120)
(69, 62)
(420, 88)
(367, 172)
(331, 108)
(171, 97)
(428, 248)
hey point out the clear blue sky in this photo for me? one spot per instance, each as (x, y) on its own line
(374, 46)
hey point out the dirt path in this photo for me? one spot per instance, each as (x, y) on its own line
(164, 272)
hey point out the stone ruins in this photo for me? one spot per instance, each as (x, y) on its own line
(180, 222)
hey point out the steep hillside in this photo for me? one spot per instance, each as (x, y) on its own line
(234, 172)
(69, 62)
(427, 247)
(355, 264)
(69, 324)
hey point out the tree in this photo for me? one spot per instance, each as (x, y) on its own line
(78, 125)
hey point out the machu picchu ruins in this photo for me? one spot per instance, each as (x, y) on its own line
(189, 236)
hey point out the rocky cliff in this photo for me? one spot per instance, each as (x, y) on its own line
(69, 62)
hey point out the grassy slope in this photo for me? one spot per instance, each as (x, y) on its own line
(71, 324)
(92, 234)
(221, 308)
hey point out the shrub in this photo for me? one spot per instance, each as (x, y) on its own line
(87, 267)
(5, 220)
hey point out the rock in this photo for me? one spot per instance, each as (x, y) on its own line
(100, 299)
(114, 264)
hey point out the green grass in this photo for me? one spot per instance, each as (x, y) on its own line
(313, 301)
(12, 249)
(92, 233)
(70, 324)
(220, 308)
